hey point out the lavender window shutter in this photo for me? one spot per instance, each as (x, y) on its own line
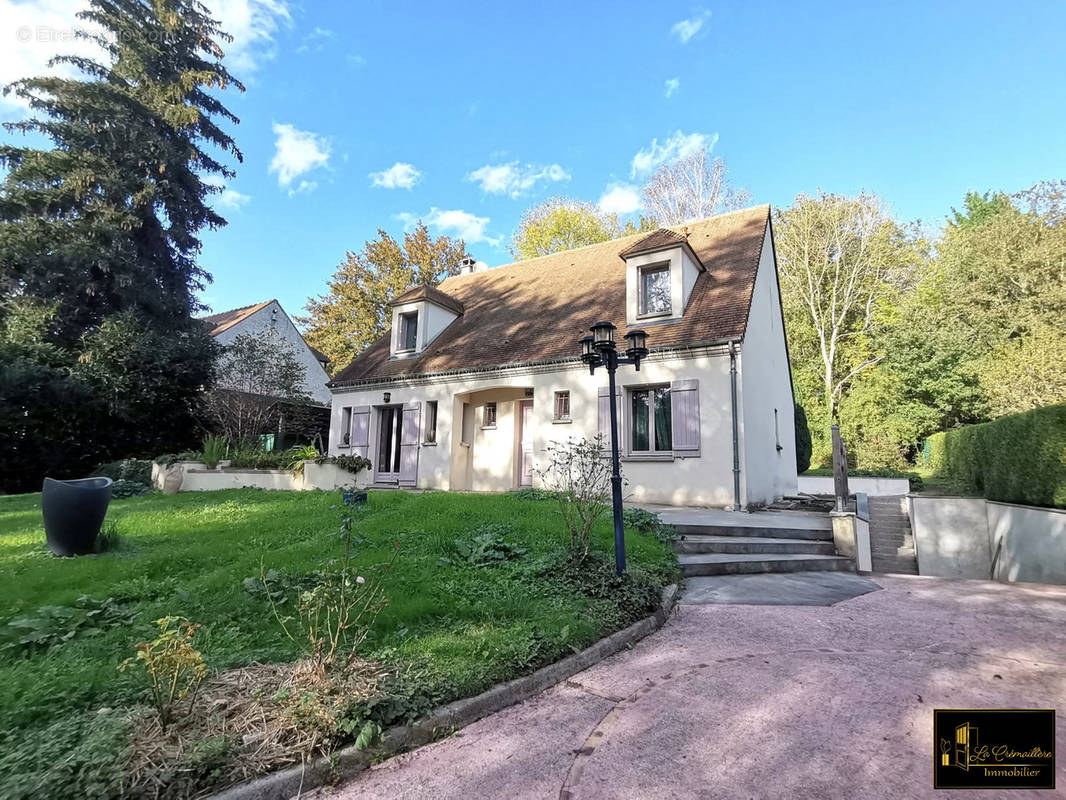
(685, 413)
(412, 413)
(360, 438)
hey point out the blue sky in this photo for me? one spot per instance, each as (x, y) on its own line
(366, 115)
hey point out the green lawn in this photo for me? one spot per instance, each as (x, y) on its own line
(464, 627)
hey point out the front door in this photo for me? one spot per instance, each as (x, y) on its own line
(525, 442)
(387, 465)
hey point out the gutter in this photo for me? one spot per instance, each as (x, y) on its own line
(736, 434)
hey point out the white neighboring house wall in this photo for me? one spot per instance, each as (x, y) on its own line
(767, 418)
(273, 316)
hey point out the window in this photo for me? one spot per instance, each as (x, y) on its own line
(431, 422)
(650, 421)
(408, 330)
(346, 426)
(654, 290)
(468, 424)
(562, 405)
(490, 416)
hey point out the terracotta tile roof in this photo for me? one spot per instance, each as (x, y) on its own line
(536, 310)
(227, 319)
(664, 237)
(430, 293)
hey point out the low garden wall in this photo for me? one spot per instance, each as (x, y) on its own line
(872, 487)
(193, 476)
(964, 537)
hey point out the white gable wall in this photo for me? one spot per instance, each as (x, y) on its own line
(767, 473)
(273, 315)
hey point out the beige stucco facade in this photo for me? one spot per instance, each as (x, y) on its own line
(488, 458)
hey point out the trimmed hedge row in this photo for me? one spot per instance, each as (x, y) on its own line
(1016, 459)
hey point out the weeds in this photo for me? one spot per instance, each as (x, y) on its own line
(173, 666)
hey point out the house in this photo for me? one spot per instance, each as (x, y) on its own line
(477, 376)
(255, 320)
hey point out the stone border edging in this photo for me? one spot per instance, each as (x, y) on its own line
(287, 783)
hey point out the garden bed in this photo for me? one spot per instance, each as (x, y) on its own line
(461, 617)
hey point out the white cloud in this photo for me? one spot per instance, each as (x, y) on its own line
(514, 178)
(303, 187)
(620, 198)
(252, 24)
(462, 224)
(227, 198)
(399, 176)
(677, 146)
(316, 40)
(670, 86)
(687, 28)
(35, 30)
(297, 152)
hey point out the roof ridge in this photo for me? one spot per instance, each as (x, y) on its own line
(238, 308)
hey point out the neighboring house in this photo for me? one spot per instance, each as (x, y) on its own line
(477, 376)
(258, 319)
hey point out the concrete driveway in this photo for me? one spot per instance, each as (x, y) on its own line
(741, 701)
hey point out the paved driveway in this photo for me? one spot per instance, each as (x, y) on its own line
(732, 701)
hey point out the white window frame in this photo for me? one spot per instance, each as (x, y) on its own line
(429, 433)
(485, 424)
(630, 419)
(642, 299)
(557, 417)
(406, 318)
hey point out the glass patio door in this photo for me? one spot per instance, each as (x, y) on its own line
(387, 466)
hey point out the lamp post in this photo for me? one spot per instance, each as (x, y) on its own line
(599, 350)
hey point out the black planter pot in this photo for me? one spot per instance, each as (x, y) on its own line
(73, 513)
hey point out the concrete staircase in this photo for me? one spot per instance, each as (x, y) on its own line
(727, 543)
(891, 541)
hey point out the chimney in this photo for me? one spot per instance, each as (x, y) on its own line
(466, 266)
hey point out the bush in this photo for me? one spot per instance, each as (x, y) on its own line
(1015, 459)
(649, 524)
(253, 458)
(122, 488)
(136, 470)
(215, 450)
(804, 447)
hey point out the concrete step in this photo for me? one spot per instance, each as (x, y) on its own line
(753, 544)
(758, 532)
(736, 564)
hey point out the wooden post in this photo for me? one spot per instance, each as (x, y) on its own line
(840, 470)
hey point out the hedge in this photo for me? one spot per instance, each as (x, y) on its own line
(1016, 459)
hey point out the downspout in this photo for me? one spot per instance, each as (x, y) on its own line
(736, 430)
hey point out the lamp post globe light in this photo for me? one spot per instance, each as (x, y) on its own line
(599, 350)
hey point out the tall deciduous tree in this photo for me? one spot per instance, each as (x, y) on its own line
(563, 223)
(692, 187)
(840, 260)
(354, 312)
(105, 225)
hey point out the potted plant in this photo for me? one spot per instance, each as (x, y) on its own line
(73, 513)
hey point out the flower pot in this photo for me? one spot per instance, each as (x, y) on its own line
(73, 513)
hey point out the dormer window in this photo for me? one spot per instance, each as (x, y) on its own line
(409, 330)
(655, 290)
(661, 270)
(419, 316)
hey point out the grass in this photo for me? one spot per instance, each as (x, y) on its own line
(460, 627)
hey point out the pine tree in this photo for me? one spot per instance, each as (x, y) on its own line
(104, 225)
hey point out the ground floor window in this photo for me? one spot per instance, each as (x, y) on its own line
(431, 422)
(650, 422)
(562, 405)
(490, 415)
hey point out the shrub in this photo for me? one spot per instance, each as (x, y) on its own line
(254, 458)
(1020, 458)
(123, 488)
(298, 455)
(649, 524)
(804, 447)
(487, 547)
(175, 669)
(353, 464)
(136, 470)
(215, 449)
(580, 478)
